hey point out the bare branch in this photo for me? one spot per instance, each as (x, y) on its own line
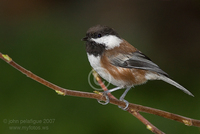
(149, 126)
(134, 109)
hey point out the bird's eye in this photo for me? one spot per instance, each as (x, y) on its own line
(99, 35)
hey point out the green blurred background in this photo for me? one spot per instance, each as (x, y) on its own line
(45, 37)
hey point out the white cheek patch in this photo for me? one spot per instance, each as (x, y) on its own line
(110, 41)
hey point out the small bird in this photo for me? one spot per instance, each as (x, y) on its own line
(121, 64)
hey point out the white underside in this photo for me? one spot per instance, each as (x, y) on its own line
(151, 76)
(96, 65)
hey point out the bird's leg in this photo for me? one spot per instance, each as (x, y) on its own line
(105, 93)
(122, 98)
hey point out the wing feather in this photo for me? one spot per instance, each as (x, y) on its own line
(136, 60)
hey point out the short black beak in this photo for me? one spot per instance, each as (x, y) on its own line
(85, 39)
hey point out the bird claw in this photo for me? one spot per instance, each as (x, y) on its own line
(107, 99)
(105, 93)
(127, 104)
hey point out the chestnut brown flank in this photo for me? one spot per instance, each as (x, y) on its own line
(131, 76)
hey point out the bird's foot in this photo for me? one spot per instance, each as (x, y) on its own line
(127, 104)
(105, 93)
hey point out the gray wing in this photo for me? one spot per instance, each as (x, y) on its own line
(140, 61)
(136, 60)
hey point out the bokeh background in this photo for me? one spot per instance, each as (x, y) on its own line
(45, 37)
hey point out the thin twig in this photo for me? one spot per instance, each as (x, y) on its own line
(132, 107)
(135, 113)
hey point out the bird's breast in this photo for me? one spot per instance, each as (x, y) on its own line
(124, 76)
(118, 76)
(95, 62)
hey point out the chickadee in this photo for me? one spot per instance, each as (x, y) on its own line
(121, 64)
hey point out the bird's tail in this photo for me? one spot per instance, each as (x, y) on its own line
(170, 81)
